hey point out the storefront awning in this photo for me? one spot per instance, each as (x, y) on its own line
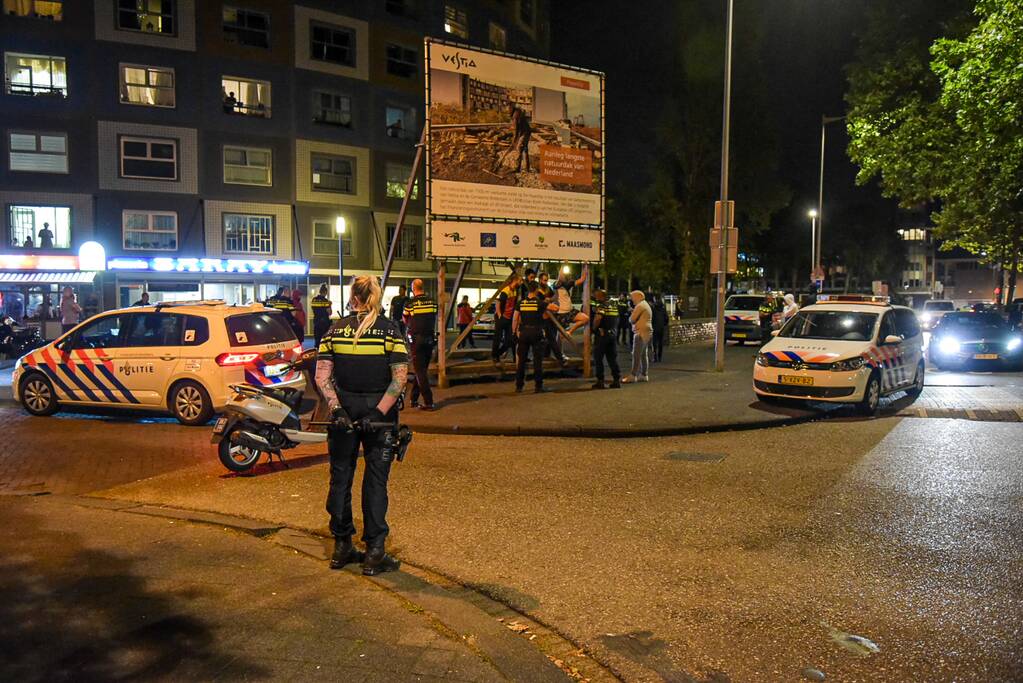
(43, 278)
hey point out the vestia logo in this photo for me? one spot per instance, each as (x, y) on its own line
(488, 240)
(515, 239)
(458, 61)
(454, 236)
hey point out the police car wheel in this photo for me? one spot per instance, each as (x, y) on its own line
(190, 404)
(37, 395)
(918, 381)
(871, 396)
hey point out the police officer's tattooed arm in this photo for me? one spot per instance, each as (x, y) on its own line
(325, 382)
(399, 376)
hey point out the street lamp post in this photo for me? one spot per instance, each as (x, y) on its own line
(812, 213)
(340, 226)
(719, 343)
(825, 120)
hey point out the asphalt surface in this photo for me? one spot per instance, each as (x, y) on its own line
(724, 557)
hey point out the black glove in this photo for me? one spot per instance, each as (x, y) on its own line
(339, 416)
(365, 422)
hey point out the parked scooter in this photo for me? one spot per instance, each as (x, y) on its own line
(15, 340)
(260, 420)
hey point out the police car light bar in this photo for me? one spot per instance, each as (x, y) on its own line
(854, 299)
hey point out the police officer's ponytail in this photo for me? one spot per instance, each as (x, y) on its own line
(366, 290)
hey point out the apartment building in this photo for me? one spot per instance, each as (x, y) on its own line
(211, 149)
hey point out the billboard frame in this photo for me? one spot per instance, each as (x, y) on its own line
(428, 190)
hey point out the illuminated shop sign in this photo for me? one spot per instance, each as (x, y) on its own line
(210, 265)
(38, 262)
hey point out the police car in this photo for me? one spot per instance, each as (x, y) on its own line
(742, 316)
(843, 349)
(174, 358)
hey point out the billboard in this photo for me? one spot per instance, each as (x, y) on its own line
(512, 139)
(514, 242)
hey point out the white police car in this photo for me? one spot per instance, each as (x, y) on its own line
(843, 349)
(175, 358)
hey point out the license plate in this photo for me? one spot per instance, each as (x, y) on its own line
(220, 426)
(985, 356)
(274, 370)
(795, 379)
(739, 335)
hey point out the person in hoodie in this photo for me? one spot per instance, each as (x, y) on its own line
(791, 308)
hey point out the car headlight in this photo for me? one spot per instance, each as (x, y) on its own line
(762, 360)
(1013, 344)
(949, 345)
(925, 317)
(848, 365)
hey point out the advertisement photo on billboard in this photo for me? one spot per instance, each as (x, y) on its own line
(513, 139)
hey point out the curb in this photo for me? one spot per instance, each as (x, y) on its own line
(517, 646)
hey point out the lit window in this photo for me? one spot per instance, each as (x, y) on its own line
(333, 174)
(410, 245)
(400, 122)
(397, 181)
(35, 75)
(42, 227)
(52, 10)
(456, 22)
(150, 158)
(245, 96)
(245, 166)
(248, 234)
(38, 152)
(332, 108)
(148, 16)
(246, 27)
(325, 239)
(334, 44)
(401, 61)
(498, 37)
(150, 86)
(150, 230)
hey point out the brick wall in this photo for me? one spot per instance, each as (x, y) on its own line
(688, 331)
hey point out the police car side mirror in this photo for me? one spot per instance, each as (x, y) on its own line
(892, 339)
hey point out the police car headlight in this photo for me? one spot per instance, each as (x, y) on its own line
(762, 360)
(848, 365)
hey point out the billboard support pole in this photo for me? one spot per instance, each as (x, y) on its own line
(586, 335)
(442, 295)
(404, 209)
(482, 309)
(454, 291)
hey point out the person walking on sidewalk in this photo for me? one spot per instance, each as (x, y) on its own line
(361, 370)
(421, 321)
(605, 346)
(528, 327)
(659, 321)
(642, 334)
(321, 306)
(70, 311)
(464, 312)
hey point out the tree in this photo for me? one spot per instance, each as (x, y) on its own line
(937, 115)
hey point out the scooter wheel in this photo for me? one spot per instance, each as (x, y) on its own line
(236, 457)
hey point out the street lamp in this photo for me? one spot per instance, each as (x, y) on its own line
(340, 226)
(566, 269)
(726, 115)
(812, 213)
(825, 120)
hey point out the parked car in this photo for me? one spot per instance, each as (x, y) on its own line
(933, 310)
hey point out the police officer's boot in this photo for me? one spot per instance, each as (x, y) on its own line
(344, 552)
(378, 562)
(617, 383)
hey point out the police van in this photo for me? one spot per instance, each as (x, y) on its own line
(742, 316)
(178, 358)
(843, 349)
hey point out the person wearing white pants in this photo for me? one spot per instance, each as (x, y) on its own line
(642, 334)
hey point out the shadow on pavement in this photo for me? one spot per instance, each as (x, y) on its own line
(68, 612)
(642, 647)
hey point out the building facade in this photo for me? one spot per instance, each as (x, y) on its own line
(214, 148)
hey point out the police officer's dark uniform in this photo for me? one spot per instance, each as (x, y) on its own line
(421, 314)
(605, 345)
(503, 323)
(531, 312)
(766, 315)
(321, 316)
(361, 374)
(284, 305)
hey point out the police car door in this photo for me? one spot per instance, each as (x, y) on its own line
(84, 369)
(152, 345)
(890, 353)
(912, 347)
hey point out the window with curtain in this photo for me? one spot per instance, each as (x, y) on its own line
(151, 86)
(332, 108)
(247, 166)
(38, 152)
(150, 230)
(248, 234)
(35, 74)
(245, 96)
(52, 10)
(148, 16)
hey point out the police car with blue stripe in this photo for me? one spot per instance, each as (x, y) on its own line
(177, 358)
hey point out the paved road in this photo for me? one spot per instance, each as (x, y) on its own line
(724, 557)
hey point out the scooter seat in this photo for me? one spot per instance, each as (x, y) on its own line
(289, 395)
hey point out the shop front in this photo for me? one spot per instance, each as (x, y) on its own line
(31, 286)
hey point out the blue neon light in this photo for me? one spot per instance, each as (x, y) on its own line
(210, 265)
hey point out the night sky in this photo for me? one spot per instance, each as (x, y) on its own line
(805, 47)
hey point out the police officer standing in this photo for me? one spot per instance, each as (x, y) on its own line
(361, 370)
(605, 346)
(766, 315)
(421, 321)
(282, 302)
(321, 313)
(528, 327)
